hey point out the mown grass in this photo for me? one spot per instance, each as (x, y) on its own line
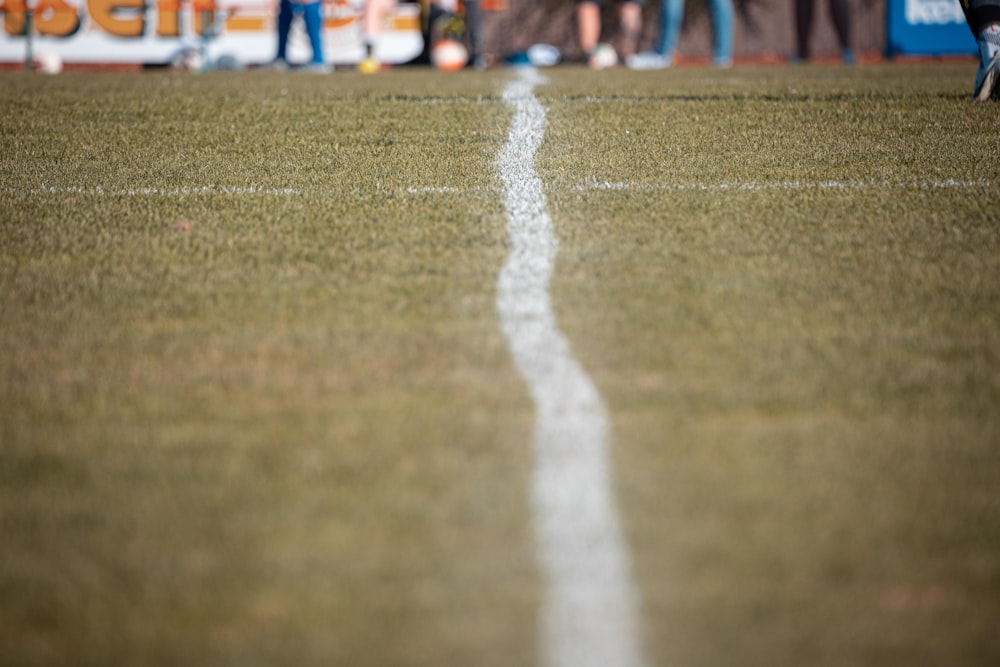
(803, 377)
(286, 432)
(280, 427)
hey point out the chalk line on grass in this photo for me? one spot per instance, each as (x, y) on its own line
(755, 186)
(590, 184)
(98, 191)
(590, 614)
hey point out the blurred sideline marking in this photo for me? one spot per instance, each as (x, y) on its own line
(589, 615)
(752, 186)
(152, 192)
(586, 185)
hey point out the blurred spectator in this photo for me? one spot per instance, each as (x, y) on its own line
(588, 24)
(312, 14)
(841, 16)
(438, 18)
(672, 17)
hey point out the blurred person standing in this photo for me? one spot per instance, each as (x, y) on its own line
(983, 17)
(436, 19)
(311, 12)
(672, 17)
(671, 21)
(840, 13)
(588, 25)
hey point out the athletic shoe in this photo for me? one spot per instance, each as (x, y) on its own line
(317, 68)
(543, 55)
(647, 60)
(986, 85)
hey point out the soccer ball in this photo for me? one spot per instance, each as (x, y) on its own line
(369, 66)
(449, 55)
(603, 56)
(188, 60)
(47, 62)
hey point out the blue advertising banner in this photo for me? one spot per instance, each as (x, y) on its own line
(927, 28)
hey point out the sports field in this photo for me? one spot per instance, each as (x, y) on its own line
(266, 395)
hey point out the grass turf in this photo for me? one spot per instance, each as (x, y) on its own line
(255, 407)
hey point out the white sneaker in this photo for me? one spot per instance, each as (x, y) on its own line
(648, 60)
(543, 55)
(317, 68)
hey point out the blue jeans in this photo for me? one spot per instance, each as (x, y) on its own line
(312, 13)
(672, 16)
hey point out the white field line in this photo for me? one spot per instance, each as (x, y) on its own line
(589, 615)
(98, 191)
(752, 186)
(589, 184)
(441, 190)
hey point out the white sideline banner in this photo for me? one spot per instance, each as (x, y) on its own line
(155, 31)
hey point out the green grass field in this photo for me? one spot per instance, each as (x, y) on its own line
(256, 407)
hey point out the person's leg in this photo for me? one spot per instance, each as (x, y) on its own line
(671, 18)
(588, 24)
(988, 73)
(372, 20)
(630, 26)
(840, 13)
(803, 26)
(313, 15)
(284, 26)
(473, 26)
(722, 31)
(983, 19)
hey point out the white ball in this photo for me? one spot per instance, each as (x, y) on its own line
(47, 62)
(449, 55)
(189, 60)
(603, 56)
